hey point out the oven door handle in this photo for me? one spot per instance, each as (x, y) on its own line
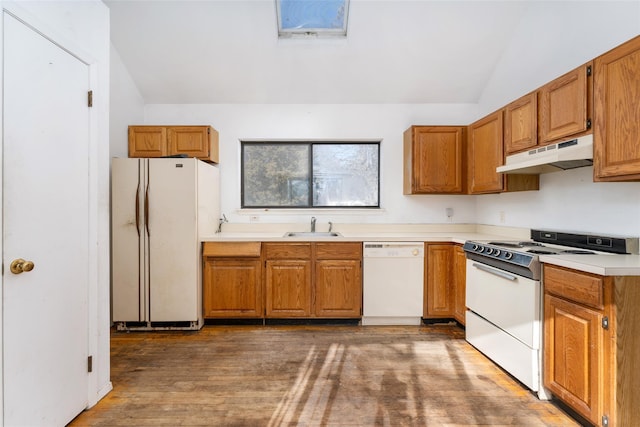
(495, 272)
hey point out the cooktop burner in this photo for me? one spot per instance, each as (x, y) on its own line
(541, 252)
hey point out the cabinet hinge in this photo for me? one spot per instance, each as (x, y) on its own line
(90, 364)
(589, 70)
(605, 322)
(605, 421)
(588, 123)
(90, 98)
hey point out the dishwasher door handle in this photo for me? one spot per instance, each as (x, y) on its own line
(495, 272)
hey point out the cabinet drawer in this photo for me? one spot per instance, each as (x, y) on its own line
(351, 250)
(584, 288)
(231, 249)
(287, 250)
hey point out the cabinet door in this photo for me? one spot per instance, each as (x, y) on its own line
(563, 105)
(194, 141)
(434, 160)
(232, 288)
(521, 124)
(616, 137)
(459, 280)
(486, 154)
(338, 288)
(147, 141)
(573, 356)
(439, 294)
(288, 288)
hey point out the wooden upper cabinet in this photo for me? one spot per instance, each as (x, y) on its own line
(194, 141)
(148, 141)
(159, 141)
(565, 105)
(616, 136)
(434, 160)
(521, 124)
(486, 154)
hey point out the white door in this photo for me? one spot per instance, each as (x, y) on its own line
(45, 212)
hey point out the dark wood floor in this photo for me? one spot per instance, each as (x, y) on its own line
(311, 376)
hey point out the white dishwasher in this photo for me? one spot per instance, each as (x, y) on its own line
(393, 283)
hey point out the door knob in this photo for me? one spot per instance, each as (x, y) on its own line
(19, 265)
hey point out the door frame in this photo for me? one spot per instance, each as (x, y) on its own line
(98, 246)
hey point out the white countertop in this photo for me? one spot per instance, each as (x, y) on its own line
(353, 237)
(605, 265)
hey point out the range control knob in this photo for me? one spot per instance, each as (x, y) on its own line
(497, 252)
(508, 255)
(480, 249)
(475, 247)
(489, 251)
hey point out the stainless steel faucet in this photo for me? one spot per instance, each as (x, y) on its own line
(313, 224)
(220, 222)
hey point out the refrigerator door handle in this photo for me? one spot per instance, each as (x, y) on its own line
(138, 209)
(146, 210)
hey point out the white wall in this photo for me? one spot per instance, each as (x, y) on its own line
(568, 200)
(336, 121)
(127, 105)
(553, 38)
(573, 34)
(83, 28)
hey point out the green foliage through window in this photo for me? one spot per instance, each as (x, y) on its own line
(310, 174)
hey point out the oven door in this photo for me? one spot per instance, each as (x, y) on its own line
(508, 301)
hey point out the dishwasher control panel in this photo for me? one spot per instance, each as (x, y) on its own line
(393, 249)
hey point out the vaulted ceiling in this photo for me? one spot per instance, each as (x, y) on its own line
(227, 51)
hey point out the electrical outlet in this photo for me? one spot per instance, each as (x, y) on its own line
(502, 217)
(254, 218)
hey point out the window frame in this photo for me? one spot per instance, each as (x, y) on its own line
(310, 144)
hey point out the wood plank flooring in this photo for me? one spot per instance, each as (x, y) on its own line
(311, 376)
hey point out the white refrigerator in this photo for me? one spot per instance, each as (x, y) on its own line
(160, 208)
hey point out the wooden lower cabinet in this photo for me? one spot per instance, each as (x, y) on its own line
(288, 279)
(439, 292)
(591, 345)
(288, 288)
(338, 280)
(232, 280)
(574, 347)
(459, 284)
(322, 280)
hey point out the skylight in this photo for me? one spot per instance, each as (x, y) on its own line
(312, 18)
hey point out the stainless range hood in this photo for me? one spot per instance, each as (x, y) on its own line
(571, 154)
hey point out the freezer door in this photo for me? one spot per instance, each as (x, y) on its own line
(172, 240)
(127, 247)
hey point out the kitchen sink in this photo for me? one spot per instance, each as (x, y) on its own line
(312, 234)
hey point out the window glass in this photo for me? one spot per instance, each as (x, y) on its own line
(310, 174)
(319, 18)
(345, 175)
